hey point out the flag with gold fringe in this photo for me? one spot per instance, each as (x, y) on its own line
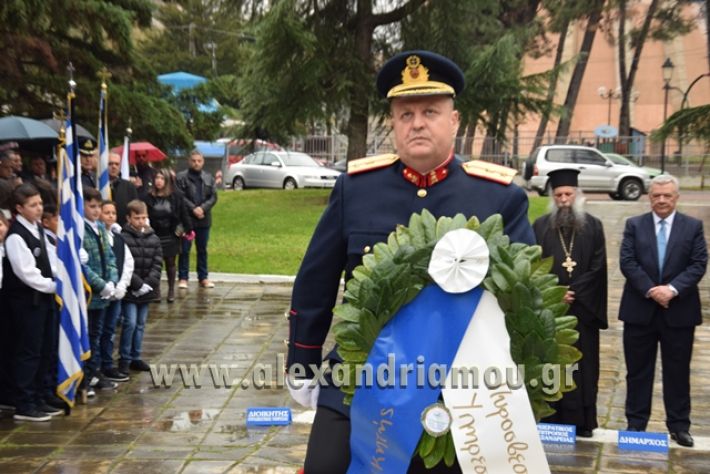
(73, 328)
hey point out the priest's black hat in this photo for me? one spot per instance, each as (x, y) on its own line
(563, 177)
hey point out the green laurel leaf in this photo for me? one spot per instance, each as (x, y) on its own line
(541, 332)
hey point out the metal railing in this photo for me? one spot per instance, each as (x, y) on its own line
(695, 159)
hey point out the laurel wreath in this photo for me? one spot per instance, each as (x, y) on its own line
(540, 330)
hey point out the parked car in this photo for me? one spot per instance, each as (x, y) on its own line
(623, 161)
(597, 172)
(340, 165)
(279, 169)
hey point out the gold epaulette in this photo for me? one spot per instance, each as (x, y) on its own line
(490, 171)
(371, 163)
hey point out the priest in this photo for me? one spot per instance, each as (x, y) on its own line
(575, 240)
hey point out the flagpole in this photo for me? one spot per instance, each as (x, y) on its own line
(125, 156)
(102, 177)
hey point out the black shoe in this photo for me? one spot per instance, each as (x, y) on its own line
(633, 428)
(51, 411)
(31, 415)
(140, 366)
(683, 438)
(583, 433)
(55, 402)
(4, 406)
(105, 384)
(115, 375)
(123, 366)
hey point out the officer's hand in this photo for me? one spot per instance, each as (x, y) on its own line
(305, 392)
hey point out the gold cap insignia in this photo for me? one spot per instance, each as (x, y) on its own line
(414, 72)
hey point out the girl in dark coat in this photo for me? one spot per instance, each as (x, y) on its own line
(170, 220)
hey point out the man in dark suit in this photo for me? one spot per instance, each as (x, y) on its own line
(122, 190)
(663, 257)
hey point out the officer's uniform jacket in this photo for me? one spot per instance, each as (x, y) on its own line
(363, 209)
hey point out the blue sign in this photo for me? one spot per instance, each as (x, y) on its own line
(268, 416)
(642, 441)
(557, 434)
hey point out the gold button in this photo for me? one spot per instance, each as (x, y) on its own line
(367, 249)
(421, 193)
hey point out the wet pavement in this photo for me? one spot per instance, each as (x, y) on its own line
(240, 326)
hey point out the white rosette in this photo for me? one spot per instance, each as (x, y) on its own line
(459, 261)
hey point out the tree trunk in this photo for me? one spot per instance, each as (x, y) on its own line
(627, 81)
(575, 83)
(364, 25)
(359, 90)
(553, 86)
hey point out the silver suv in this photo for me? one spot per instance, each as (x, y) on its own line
(597, 173)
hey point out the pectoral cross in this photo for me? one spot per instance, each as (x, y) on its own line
(569, 265)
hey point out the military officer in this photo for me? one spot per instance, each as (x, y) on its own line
(368, 202)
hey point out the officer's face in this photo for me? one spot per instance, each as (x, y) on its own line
(424, 129)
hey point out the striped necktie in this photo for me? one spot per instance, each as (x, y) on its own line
(661, 241)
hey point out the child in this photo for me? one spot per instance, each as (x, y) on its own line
(124, 263)
(28, 294)
(148, 258)
(101, 275)
(50, 223)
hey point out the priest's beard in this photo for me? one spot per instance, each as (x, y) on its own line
(571, 218)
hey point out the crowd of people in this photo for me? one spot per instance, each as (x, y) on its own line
(145, 224)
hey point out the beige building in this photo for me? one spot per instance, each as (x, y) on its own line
(688, 53)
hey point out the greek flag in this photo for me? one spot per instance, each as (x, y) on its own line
(104, 184)
(73, 331)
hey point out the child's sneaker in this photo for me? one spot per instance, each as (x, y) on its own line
(115, 375)
(140, 366)
(31, 415)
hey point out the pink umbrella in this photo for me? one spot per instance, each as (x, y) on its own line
(141, 151)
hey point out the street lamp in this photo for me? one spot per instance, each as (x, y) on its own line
(608, 95)
(667, 69)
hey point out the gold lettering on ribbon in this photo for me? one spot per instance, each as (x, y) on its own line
(514, 448)
(381, 442)
(471, 445)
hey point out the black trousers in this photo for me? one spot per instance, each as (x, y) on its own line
(640, 348)
(329, 448)
(31, 322)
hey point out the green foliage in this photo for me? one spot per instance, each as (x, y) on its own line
(282, 81)
(693, 122)
(540, 331)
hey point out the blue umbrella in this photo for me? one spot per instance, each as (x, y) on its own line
(16, 128)
(181, 80)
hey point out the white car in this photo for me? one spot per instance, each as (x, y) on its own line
(279, 169)
(597, 173)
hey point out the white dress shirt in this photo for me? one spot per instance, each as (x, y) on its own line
(23, 262)
(128, 263)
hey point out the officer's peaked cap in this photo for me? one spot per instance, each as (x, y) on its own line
(418, 73)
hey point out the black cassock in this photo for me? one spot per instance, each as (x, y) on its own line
(589, 283)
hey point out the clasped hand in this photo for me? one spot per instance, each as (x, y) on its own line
(661, 294)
